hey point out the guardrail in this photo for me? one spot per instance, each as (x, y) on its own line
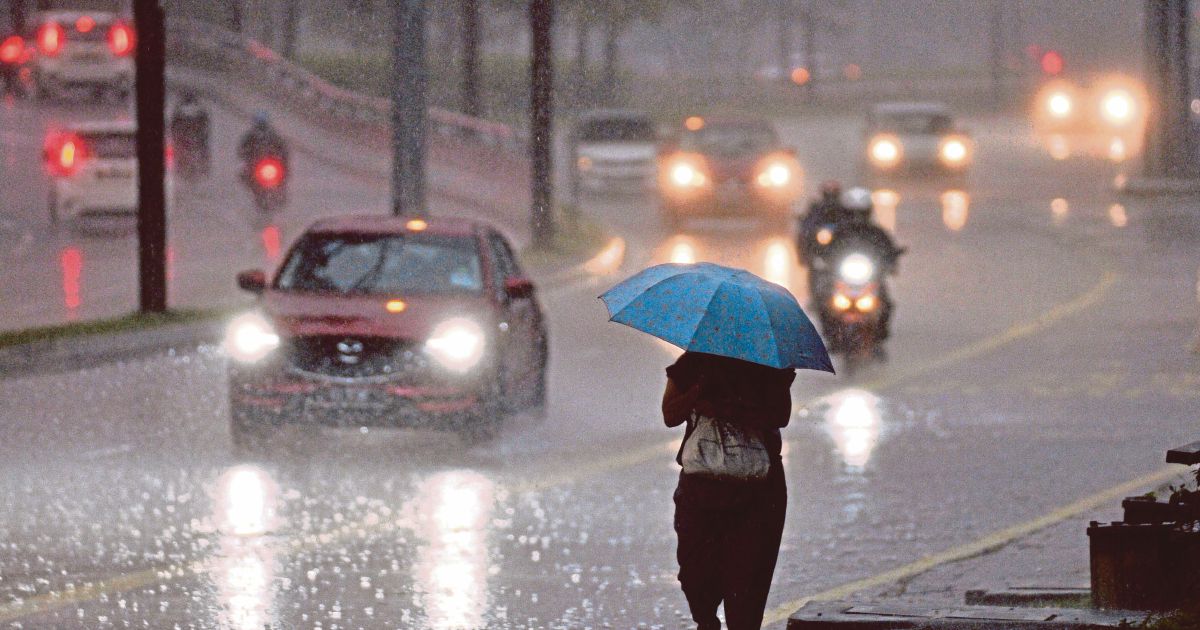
(197, 40)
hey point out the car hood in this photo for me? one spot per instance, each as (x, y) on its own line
(618, 151)
(303, 314)
(726, 167)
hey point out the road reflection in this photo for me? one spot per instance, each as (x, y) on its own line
(271, 242)
(681, 249)
(1059, 210)
(243, 568)
(853, 420)
(885, 202)
(1117, 216)
(453, 511)
(70, 262)
(778, 262)
(956, 209)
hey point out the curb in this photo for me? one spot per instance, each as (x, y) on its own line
(92, 350)
(829, 615)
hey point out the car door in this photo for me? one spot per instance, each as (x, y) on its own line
(521, 315)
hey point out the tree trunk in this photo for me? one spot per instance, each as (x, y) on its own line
(471, 102)
(541, 113)
(582, 33)
(291, 24)
(236, 16)
(409, 107)
(810, 49)
(150, 94)
(612, 32)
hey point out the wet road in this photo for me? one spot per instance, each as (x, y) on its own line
(1037, 358)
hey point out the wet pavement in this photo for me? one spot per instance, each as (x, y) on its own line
(1037, 358)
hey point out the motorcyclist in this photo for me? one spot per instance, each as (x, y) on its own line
(858, 233)
(826, 210)
(262, 140)
(190, 130)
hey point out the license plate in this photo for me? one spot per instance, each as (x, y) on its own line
(114, 174)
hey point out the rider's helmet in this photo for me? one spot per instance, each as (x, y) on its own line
(261, 119)
(830, 190)
(857, 201)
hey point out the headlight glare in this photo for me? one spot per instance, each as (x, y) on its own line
(1117, 106)
(684, 174)
(885, 150)
(775, 175)
(954, 151)
(457, 344)
(250, 338)
(1058, 104)
(856, 269)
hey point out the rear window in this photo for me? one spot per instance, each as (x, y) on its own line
(730, 139)
(617, 130)
(917, 123)
(113, 146)
(354, 264)
(97, 33)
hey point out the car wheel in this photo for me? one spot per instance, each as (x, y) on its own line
(484, 424)
(537, 397)
(254, 432)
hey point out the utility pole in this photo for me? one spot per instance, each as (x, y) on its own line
(151, 92)
(1170, 147)
(783, 23)
(409, 79)
(997, 49)
(541, 111)
(470, 62)
(291, 24)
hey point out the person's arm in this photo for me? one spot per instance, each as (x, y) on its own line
(677, 405)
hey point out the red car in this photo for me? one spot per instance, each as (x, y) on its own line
(730, 168)
(388, 321)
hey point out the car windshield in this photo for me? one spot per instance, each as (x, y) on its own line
(916, 123)
(617, 130)
(112, 146)
(382, 264)
(730, 140)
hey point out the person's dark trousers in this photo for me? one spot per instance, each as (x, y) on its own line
(728, 542)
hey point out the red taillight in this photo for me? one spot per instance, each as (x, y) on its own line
(120, 39)
(64, 154)
(85, 24)
(12, 49)
(268, 172)
(50, 38)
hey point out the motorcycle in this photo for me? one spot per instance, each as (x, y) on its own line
(852, 303)
(266, 179)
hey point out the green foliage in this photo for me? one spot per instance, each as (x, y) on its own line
(135, 321)
(577, 238)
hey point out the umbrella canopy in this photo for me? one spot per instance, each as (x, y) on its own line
(702, 307)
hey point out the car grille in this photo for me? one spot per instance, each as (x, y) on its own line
(349, 357)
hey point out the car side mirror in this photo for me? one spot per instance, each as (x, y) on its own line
(518, 288)
(254, 281)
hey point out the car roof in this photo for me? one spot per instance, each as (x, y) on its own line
(71, 16)
(736, 121)
(103, 126)
(390, 224)
(608, 114)
(901, 107)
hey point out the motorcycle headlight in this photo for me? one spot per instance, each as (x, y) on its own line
(250, 338)
(885, 150)
(856, 269)
(865, 303)
(457, 344)
(775, 175)
(824, 236)
(841, 302)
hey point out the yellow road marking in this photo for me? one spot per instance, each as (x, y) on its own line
(974, 548)
(58, 599)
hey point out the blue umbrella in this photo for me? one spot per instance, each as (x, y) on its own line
(703, 307)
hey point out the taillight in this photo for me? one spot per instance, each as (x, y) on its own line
(268, 172)
(120, 39)
(50, 38)
(12, 49)
(64, 154)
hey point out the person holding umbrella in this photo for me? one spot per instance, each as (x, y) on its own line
(743, 338)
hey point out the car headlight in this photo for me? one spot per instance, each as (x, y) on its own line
(841, 302)
(457, 344)
(250, 338)
(1116, 106)
(865, 303)
(856, 269)
(885, 150)
(686, 175)
(1059, 105)
(953, 151)
(775, 175)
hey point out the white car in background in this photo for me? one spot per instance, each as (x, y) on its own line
(94, 171)
(915, 138)
(615, 150)
(90, 51)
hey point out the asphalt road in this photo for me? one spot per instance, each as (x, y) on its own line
(1037, 358)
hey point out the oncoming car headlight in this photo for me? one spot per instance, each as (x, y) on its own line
(856, 269)
(250, 338)
(1058, 104)
(457, 344)
(776, 174)
(684, 174)
(1116, 106)
(954, 151)
(885, 150)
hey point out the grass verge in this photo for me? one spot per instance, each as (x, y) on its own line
(108, 326)
(578, 238)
